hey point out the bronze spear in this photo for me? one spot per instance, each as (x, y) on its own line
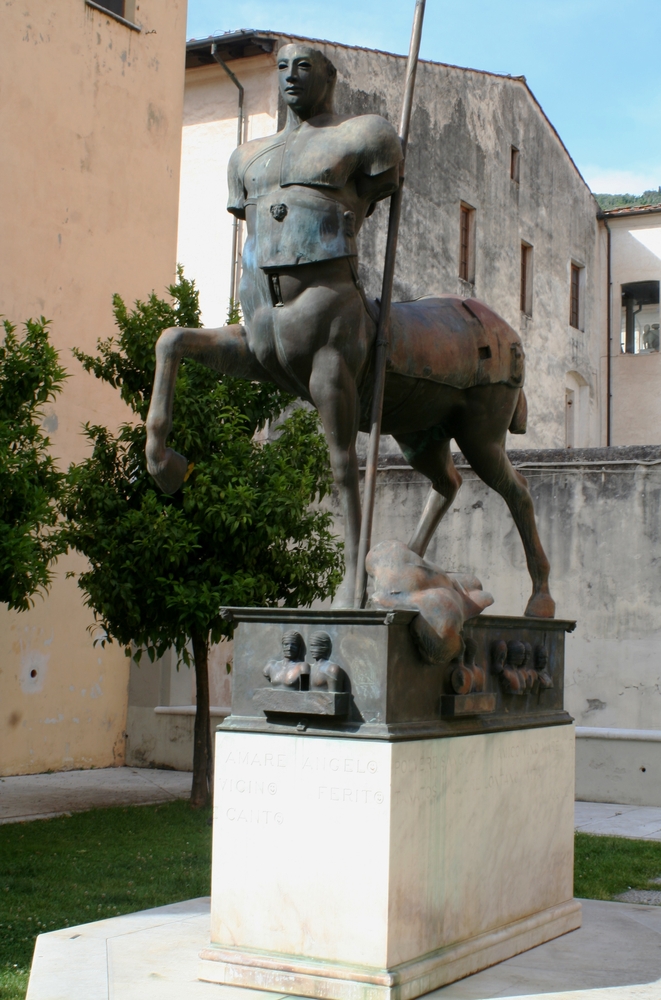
(381, 346)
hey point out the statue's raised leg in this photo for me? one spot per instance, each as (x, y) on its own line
(225, 350)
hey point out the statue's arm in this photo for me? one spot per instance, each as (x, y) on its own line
(374, 189)
(236, 201)
(381, 161)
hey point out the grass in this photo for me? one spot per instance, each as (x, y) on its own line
(604, 867)
(75, 869)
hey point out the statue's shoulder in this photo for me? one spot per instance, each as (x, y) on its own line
(375, 140)
(327, 150)
(247, 151)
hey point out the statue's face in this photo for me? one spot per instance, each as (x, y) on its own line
(303, 76)
(290, 646)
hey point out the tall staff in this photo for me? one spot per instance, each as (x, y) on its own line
(381, 351)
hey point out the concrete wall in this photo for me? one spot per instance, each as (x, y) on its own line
(636, 401)
(464, 125)
(89, 174)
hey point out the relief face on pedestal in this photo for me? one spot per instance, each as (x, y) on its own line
(291, 671)
(299, 688)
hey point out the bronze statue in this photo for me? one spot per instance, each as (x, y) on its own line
(292, 671)
(325, 675)
(455, 369)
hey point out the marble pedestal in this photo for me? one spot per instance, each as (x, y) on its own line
(359, 868)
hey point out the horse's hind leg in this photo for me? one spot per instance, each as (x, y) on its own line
(490, 461)
(225, 350)
(433, 459)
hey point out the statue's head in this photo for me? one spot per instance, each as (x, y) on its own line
(307, 79)
(293, 646)
(321, 645)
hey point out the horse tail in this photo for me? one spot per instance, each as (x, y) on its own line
(519, 423)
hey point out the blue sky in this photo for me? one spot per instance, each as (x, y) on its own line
(594, 65)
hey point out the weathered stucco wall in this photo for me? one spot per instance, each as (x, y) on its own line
(89, 172)
(636, 401)
(464, 125)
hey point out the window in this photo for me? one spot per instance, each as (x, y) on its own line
(640, 318)
(467, 243)
(120, 10)
(526, 279)
(576, 283)
(114, 6)
(514, 164)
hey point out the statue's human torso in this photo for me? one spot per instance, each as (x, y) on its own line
(304, 193)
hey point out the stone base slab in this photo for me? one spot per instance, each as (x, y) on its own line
(333, 981)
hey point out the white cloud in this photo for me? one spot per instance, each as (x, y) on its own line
(621, 181)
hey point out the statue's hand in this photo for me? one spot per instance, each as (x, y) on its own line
(168, 468)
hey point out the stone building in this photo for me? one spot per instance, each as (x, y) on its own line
(482, 154)
(89, 183)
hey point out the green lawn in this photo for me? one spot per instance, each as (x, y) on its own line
(74, 869)
(61, 872)
(606, 866)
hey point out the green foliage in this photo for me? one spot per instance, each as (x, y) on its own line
(243, 530)
(607, 201)
(103, 863)
(30, 484)
(234, 312)
(604, 867)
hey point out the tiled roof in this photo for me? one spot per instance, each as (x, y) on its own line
(624, 210)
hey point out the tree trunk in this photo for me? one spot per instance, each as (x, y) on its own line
(202, 755)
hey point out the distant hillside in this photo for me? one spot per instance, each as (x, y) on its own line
(620, 200)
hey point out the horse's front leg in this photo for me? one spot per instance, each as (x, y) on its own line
(333, 391)
(225, 350)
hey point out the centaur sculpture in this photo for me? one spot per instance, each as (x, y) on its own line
(455, 369)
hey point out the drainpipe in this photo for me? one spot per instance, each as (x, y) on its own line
(609, 340)
(234, 272)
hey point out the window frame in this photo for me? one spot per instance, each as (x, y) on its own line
(466, 243)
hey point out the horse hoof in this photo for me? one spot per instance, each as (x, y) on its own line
(540, 606)
(170, 472)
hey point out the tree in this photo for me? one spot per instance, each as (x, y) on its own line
(245, 529)
(30, 484)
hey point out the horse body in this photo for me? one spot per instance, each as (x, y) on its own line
(455, 371)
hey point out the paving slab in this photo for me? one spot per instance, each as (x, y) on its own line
(153, 955)
(41, 796)
(612, 820)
